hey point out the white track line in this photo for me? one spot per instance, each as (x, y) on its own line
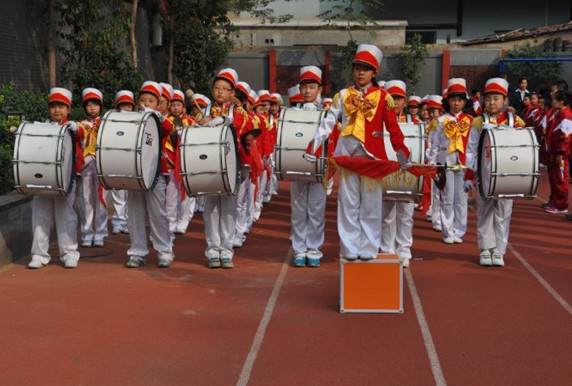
(537, 275)
(541, 280)
(259, 337)
(429, 345)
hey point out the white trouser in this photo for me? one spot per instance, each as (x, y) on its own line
(359, 215)
(172, 201)
(454, 205)
(46, 209)
(397, 228)
(192, 207)
(93, 214)
(220, 224)
(269, 188)
(200, 204)
(308, 203)
(119, 199)
(154, 202)
(183, 213)
(251, 199)
(242, 209)
(435, 205)
(262, 182)
(493, 223)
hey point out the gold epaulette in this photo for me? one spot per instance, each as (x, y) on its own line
(389, 101)
(478, 123)
(519, 122)
(336, 100)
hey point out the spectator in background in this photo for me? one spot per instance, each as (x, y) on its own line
(517, 98)
(477, 109)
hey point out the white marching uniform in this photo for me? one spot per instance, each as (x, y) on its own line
(243, 206)
(359, 197)
(153, 202)
(178, 211)
(453, 195)
(46, 209)
(397, 228)
(308, 208)
(493, 215)
(93, 214)
(119, 218)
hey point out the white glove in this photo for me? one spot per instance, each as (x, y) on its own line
(468, 185)
(310, 158)
(403, 161)
(487, 125)
(215, 122)
(271, 162)
(72, 126)
(159, 115)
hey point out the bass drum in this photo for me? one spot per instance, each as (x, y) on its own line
(209, 160)
(406, 186)
(508, 164)
(43, 161)
(128, 150)
(296, 128)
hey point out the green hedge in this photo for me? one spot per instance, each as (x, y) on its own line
(15, 105)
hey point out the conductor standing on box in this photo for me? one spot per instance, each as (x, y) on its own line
(363, 109)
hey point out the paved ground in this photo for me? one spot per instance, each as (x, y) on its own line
(267, 323)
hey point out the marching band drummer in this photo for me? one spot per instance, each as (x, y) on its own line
(397, 224)
(276, 103)
(152, 201)
(435, 109)
(307, 198)
(363, 109)
(124, 101)
(199, 106)
(92, 206)
(181, 214)
(46, 209)
(449, 146)
(266, 143)
(493, 215)
(220, 210)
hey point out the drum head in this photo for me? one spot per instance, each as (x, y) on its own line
(67, 156)
(231, 159)
(150, 142)
(486, 164)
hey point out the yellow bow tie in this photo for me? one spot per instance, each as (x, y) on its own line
(358, 109)
(456, 131)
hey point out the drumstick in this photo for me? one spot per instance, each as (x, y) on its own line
(13, 129)
(189, 93)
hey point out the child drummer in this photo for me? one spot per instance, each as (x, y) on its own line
(493, 215)
(46, 209)
(153, 201)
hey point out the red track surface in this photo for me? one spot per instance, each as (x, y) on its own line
(187, 325)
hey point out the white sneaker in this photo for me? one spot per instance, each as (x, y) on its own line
(498, 260)
(449, 240)
(437, 229)
(98, 243)
(405, 263)
(36, 263)
(237, 243)
(70, 263)
(135, 261)
(116, 231)
(274, 193)
(485, 259)
(86, 244)
(457, 240)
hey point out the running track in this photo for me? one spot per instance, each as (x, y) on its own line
(267, 323)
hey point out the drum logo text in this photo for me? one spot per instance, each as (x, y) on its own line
(148, 139)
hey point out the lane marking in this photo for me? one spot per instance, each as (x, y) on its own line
(541, 279)
(537, 275)
(429, 345)
(261, 331)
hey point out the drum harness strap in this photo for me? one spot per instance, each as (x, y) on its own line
(510, 115)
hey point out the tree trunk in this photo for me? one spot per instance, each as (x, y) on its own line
(171, 49)
(52, 43)
(132, 37)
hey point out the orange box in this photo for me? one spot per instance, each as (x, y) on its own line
(372, 286)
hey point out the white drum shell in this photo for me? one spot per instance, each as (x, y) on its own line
(209, 160)
(405, 186)
(508, 163)
(128, 150)
(43, 159)
(296, 128)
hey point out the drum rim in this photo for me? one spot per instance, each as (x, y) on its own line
(58, 169)
(137, 148)
(320, 166)
(486, 133)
